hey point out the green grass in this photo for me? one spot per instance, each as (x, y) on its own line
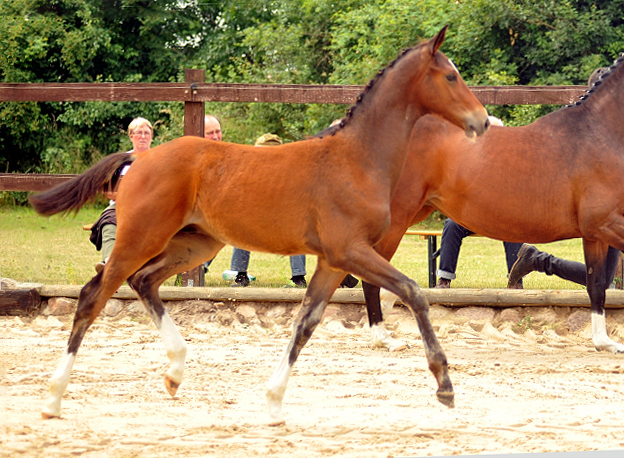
(57, 251)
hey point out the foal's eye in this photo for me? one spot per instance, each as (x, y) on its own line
(451, 77)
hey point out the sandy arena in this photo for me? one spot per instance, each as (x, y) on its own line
(533, 387)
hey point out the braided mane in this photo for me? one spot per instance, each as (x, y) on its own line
(599, 81)
(349, 114)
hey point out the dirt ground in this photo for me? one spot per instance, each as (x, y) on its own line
(529, 387)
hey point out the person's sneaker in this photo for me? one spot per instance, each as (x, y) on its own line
(299, 281)
(349, 282)
(443, 283)
(241, 280)
(99, 267)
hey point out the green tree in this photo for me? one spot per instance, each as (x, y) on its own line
(493, 42)
(85, 41)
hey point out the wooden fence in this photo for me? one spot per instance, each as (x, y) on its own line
(194, 92)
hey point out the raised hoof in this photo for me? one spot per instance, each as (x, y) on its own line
(446, 398)
(171, 385)
(47, 416)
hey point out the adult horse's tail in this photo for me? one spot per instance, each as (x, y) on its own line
(73, 194)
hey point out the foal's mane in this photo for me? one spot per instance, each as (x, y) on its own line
(600, 80)
(349, 114)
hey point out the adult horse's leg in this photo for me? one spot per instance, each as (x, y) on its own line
(379, 304)
(185, 251)
(601, 261)
(322, 285)
(380, 337)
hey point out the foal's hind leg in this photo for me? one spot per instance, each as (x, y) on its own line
(601, 262)
(186, 250)
(322, 285)
(91, 301)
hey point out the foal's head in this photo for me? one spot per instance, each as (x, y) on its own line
(422, 80)
(439, 89)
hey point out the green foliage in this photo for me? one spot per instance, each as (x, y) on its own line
(82, 41)
(493, 42)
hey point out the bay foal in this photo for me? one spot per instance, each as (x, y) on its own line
(182, 201)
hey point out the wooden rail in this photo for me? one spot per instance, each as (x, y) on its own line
(194, 92)
(262, 93)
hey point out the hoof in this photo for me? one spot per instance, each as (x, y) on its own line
(274, 423)
(446, 398)
(382, 339)
(610, 346)
(397, 345)
(47, 416)
(172, 386)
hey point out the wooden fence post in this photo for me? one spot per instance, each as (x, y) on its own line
(194, 113)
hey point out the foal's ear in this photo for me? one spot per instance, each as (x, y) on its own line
(437, 41)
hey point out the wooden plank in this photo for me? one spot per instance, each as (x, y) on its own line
(21, 302)
(528, 95)
(83, 92)
(453, 297)
(285, 93)
(265, 93)
(176, 293)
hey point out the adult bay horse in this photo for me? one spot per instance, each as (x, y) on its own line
(181, 202)
(560, 177)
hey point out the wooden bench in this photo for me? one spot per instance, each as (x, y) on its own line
(432, 251)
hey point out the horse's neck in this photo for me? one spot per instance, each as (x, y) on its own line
(383, 120)
(384, 141)
(606, 105)
(383, 126)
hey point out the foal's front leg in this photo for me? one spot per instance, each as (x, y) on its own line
(323, 284)
(366, 263)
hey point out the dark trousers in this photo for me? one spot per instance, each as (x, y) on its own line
(452, 237)
(573, 271)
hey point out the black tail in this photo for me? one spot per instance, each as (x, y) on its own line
(73, 194)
